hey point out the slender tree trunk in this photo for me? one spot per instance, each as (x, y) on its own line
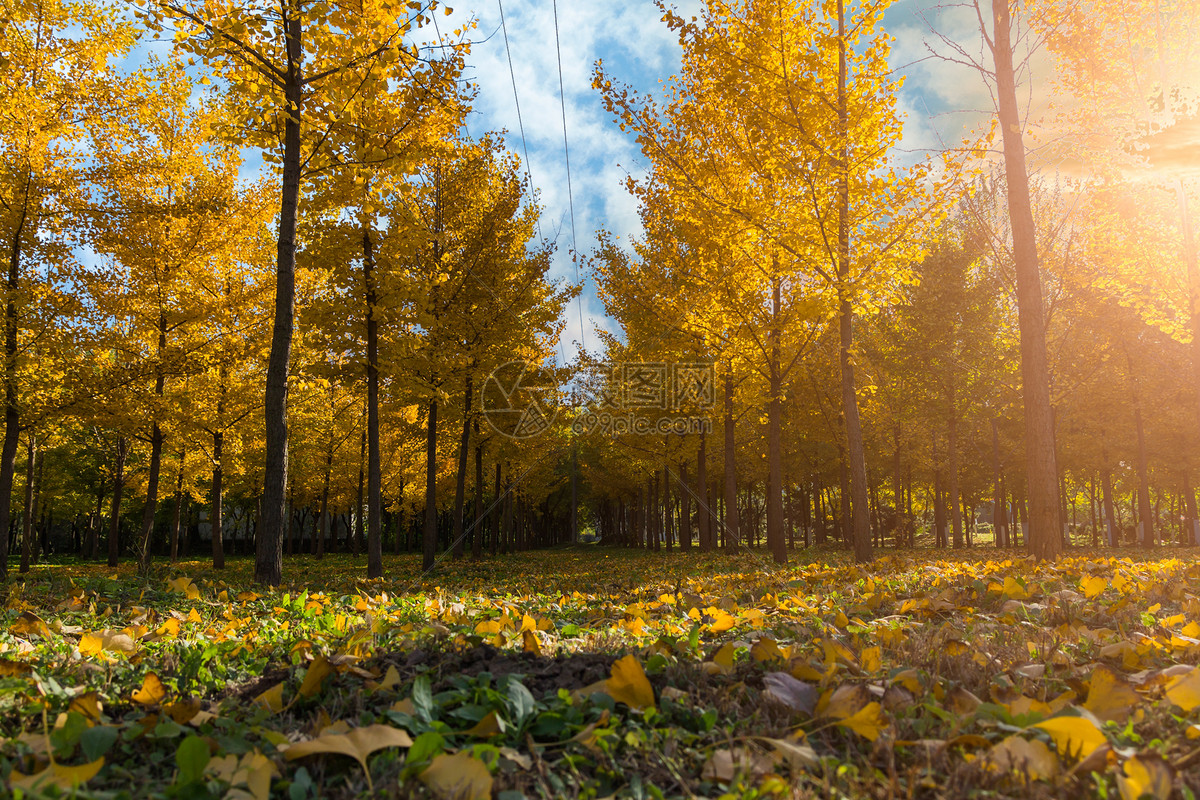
(322, 528)
(357, 535)
(429, 535)
(1045, 537)
(93, 533)
(999, 512)
(477, 525)
(494, 540)
(775, 535)
(704, 512)
(114, 525)
(374, 468)
(12, 417)
(218, 496)
(178, 510)
(27, 532)
(156, 445)
(460, 482)
(268, 546)
(860, 534)
(685, 510)
(730, 521)
(956, 519)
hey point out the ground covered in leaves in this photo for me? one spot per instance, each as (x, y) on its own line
(593, 672)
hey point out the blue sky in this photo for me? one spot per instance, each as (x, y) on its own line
(638, 49)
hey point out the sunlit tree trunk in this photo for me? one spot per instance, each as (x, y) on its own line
(1045, 536)
(730, 520)
(429, 534)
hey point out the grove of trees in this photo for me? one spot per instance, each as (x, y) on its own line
(261, 283)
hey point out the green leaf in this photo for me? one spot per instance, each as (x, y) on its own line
(97, 741)
(425, 747)
(191, 758)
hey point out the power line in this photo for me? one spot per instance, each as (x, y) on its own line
(516, 101)
(570, 195)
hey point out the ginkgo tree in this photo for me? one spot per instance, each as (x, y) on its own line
(56, 83)
(780, 128)
(292, 70)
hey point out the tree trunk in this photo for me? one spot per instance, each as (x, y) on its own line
(12, 417)
(776, 542)
(999, 512)
(703, 513)
(1044, 538)
(494, 540)
(93, 533)
(268, 545)
(429, 535)
(477, 525)
(114, 524)
(730, 521)
(321, 530)
(178, 509)
(374, 468)
(156, 445)
(685, 510)
(357, 535)
(27, 532)
(956, 519)
(218, 499)
(460, 482)
(860, 533)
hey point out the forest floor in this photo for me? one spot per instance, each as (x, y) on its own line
(589, 672)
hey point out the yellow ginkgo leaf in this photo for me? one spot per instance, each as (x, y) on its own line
(490, 725)
(95, 644)
(1110, 696)
(29, 625)
(358, 744)
(1013, 589)
(1145, 775)
(152, 691)
(318, 671)
(868, 722)
(271, 699)
(628, 684)
(1029, 758)
(1076, 737)
(1184, 690)
(766, 649)
(530, 643)
(1092, 586)
(56, 774)
(871, 659)
(87, 704)
(460, 776)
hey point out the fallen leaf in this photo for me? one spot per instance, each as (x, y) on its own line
(490, 725)
(271, 699)
(798, 756)
(1143, 775)
(1028, 757)
(628, 684)
(1110, 696)
(29, 625)
(66, 778)
(318, 671)
(94, 644)
(358, 744)
(1075, 737)
(725, 764)
(1184, 690)
(796, 695)
(152, 691)
(460, 776)
(868, 722)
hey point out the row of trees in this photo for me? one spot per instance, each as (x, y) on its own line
(965, 332)
(151, 284)
(855, 342)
